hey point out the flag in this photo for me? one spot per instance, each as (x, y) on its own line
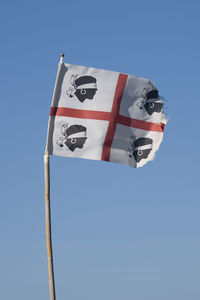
(105, 115)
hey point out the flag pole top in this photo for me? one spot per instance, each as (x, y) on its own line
(61, 58)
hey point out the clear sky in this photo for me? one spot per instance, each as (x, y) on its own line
(118, 233)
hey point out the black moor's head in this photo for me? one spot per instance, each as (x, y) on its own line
(84, 87)
(141, 148)
(75, 137)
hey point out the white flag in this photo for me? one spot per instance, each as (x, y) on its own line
(105, 115)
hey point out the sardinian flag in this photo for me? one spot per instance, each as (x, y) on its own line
(105, 115)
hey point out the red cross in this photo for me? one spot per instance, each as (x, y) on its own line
(112, 117)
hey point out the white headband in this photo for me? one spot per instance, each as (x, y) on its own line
(77, 135)
(144, 147)
(154, 100)
(87, 86)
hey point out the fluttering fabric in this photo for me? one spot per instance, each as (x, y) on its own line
(105, 115)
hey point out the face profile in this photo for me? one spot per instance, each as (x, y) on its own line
(140, 148)
(83, 94)
(73, 137)
(152, 107)
(83, 87)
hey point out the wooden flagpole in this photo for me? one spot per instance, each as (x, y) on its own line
(47, 197)
(48, 227)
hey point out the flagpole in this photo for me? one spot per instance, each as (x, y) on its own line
(47, 196)
(48, 228)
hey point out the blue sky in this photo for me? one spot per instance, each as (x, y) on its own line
(118, 233)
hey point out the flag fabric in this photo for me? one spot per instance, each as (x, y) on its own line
(105, 115)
